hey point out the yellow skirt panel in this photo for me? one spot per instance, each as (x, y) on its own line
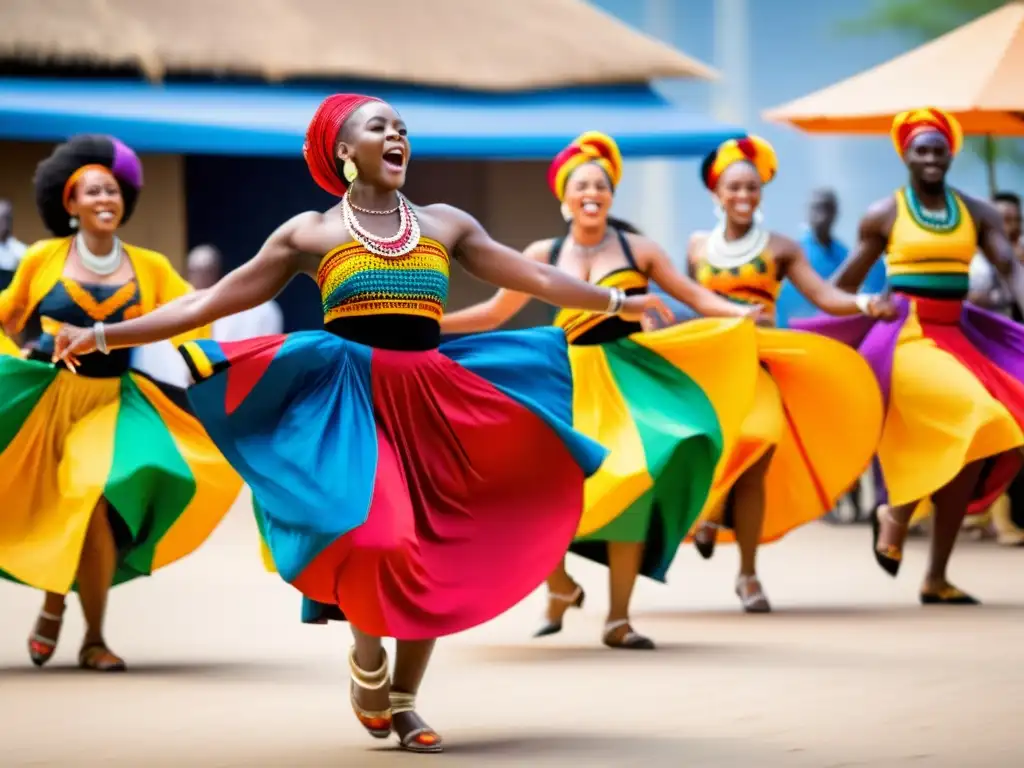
(819, 411)
(940, 418)
(53, 476)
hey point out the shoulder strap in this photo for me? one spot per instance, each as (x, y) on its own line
(626, 250)
(556, 248)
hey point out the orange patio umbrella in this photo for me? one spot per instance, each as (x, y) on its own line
(976, 72)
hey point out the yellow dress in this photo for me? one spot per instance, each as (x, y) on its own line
(950, 403)
(666, 404)
(68, 440)
(817, 409)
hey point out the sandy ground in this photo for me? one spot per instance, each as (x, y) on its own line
(849, 671)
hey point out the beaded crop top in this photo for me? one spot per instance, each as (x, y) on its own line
(385, 301)
(927, 257)
(582, 326)
(755, 282)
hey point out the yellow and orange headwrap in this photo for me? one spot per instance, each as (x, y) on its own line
(589, 147)
(749, 149)
(907, 126)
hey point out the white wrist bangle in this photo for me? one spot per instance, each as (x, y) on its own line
(616, 298)
(863, 302)
(101, 338)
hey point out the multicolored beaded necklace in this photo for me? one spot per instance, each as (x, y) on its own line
(934, 221)
(399, 244)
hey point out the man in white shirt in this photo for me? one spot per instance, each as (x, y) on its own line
(203, 269)
(987, 288)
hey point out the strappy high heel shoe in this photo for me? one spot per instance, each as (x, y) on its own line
(890, 556)
(419, 737)
(630, 641)
(40, 647)
(377, 723)
(705, 539)
(575, 600)
(751, 595)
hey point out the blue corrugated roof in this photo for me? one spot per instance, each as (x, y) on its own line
(270, 120)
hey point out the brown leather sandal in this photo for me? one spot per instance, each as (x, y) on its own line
(96, 657)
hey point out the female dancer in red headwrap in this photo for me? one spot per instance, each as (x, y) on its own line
(952, 374)
(421, 490)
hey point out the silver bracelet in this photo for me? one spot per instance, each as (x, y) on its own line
(863, 301)
(101, 338)
(616, 299)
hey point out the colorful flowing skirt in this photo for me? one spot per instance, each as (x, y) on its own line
(8, 347)
(818, 412)
(666, 403)
(952, 376)
(67, 441)
(418, 493)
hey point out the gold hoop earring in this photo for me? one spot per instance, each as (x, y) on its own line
(349, 171)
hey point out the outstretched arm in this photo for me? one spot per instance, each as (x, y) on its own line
(253, 283)
(823, 294)
(659, 268)
(495, 311)
(872, 240)
(495, 263)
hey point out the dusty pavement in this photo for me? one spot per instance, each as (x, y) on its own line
(849, 671)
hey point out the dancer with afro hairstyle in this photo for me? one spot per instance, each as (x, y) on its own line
(106, 474)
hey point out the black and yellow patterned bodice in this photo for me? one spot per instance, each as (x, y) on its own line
(582, 326)
(84, 304)
(756, 282)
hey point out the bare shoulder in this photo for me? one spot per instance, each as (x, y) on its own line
(696, 244)
(980, 210)
(783, 245)
(880, 215)
(539, 250)
(446, 223)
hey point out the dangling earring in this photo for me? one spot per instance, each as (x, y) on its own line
(566, 213)
(758, 217)
(73, 222)
(719, 210)
(349, 171)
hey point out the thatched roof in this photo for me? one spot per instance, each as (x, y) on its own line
(475, 44)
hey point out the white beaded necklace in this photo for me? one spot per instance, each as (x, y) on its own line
(105, 265)
(400, 244)
(727, 254)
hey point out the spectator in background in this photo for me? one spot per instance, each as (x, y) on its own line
(204, 268)
(825, 253)
(988, 289)
(11, 248)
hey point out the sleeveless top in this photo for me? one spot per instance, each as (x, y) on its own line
(582, 326)
(755, 282)
(84, 304)
(924, 261)
(384, 301)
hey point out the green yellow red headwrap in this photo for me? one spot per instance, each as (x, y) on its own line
(907, 126)
(589, 147)
(749, 149)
